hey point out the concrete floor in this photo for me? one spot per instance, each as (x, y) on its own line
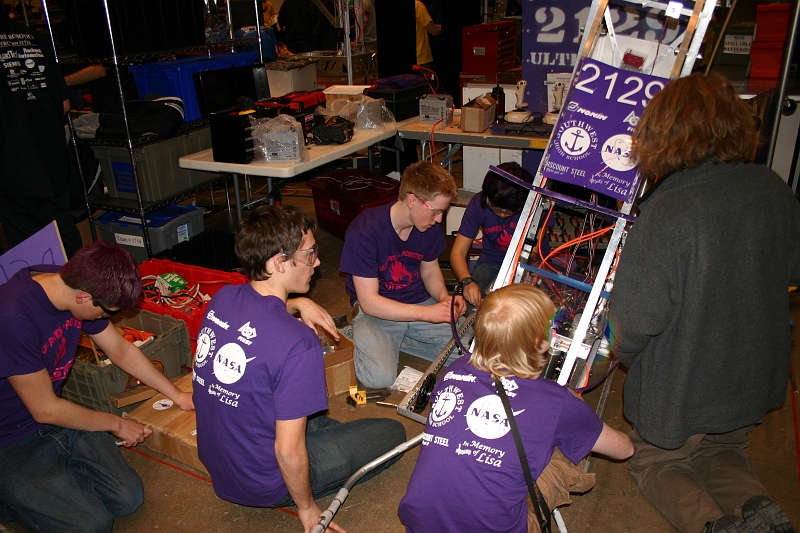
(177, 500)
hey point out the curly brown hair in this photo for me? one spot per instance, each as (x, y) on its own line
(693, 120)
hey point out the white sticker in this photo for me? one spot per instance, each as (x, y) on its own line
(163, 405)
(194, 432)
(738, 44)
(674, 9)
(183, 232)
(132, 220)
(129, 240)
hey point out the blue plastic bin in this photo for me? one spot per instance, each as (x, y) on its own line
(176, 77)
(167, 227)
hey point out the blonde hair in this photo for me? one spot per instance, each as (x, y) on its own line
(510, 327)
(427, 181)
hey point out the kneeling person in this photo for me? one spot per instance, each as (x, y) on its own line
(468, 452)
(260, 381)
(391, 258)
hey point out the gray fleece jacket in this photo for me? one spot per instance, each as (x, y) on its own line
(700, 307)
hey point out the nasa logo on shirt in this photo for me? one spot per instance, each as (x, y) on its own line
(230, 363)
(487, 418)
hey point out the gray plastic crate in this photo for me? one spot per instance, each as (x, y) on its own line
(91, 385)
(157, 167)
(166, 226)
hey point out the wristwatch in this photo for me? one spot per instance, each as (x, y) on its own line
(466, 281)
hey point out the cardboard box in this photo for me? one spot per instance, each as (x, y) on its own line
(340, 371)
(478, 114)
(174, 430)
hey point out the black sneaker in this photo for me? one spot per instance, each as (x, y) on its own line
(727, 524)
(763, 510)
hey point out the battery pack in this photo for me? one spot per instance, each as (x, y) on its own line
(436, 107)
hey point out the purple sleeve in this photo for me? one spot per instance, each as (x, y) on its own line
(93, 327)
(300, 390)
(472, 219)
(578, 428)
(359, 256)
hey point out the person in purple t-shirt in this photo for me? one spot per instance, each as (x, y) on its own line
(494, 211)
(468, 476)
(259, 380)
(61, 470)
(391, 258)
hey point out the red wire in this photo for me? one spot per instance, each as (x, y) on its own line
(190, 473)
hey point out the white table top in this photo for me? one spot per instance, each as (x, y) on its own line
(452, 133)
(319, 155)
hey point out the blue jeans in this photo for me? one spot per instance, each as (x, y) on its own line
(378, 343)
(338, 450)
(64, 480)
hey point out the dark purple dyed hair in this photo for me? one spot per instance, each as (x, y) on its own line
(107, 272)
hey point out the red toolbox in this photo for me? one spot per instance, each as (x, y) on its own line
(340, 196)
(209, 280)
(489, 48)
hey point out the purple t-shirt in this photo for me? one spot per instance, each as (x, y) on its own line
(254, 364)
(36, 335)
(372, 249)
(468, 451)
(497, 232)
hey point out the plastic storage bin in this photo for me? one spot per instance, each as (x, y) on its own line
(176, 77)
(340, 196)
(157, 167)
(210, 281)
(167, 227)
(91, 385)
(766, 59)
(772, 22)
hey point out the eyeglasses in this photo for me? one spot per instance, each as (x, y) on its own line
(308, 256)
(499, 211)
(436, 212)
(108, 312)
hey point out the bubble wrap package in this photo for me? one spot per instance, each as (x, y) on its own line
(279, 140)
(367, 113)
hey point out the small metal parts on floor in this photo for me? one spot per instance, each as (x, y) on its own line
(361, 397)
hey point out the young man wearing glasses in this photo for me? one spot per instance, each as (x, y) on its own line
(391, 258)
(62, 471)
(260, 382)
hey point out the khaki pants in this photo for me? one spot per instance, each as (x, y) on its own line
(708, 477)
(557, 480)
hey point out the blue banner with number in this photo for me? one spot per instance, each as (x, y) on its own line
(590, 145)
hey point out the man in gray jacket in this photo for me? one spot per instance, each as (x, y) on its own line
(700, 308)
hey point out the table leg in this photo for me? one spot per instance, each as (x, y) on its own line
(237, 197)
(269, 191)
(369, 157)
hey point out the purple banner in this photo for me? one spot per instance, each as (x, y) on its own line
(590, 145)
(42, 248)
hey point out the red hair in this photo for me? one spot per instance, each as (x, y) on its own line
(693, 120)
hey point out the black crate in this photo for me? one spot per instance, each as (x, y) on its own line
(210, 249)
(403, 103)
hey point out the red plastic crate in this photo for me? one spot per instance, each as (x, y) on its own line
(767, 59)
(192, 274)
(772, 22)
